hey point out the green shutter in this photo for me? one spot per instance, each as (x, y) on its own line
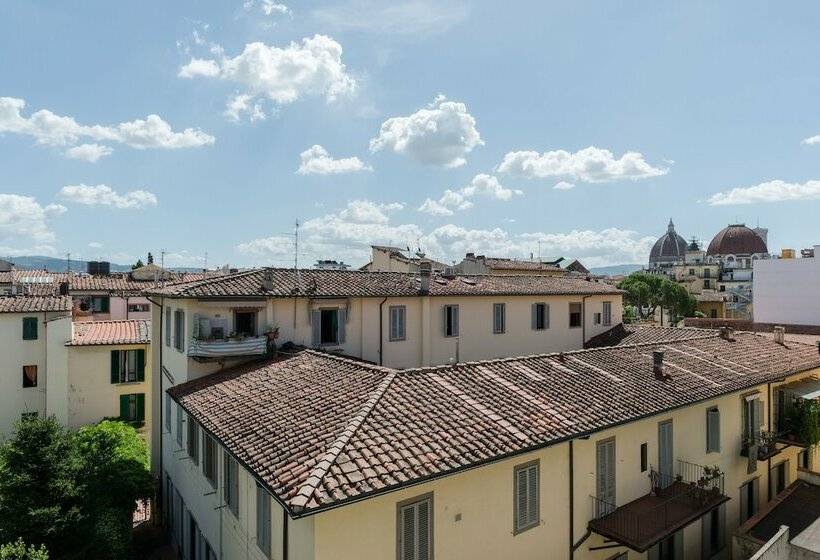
(140, 407)
(29, 328)
(124, 407)
(105, 305)
(141, 365)
(115, 366)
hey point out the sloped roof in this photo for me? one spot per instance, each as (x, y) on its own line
(94, 333)
(357, 283)
(621, 335)
(321, 430)
(32, 304)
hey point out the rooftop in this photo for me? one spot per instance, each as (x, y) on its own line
(321, 430)
(32, 304)
(95, 333)
(355, 283)
(621, 335)
(797, 507)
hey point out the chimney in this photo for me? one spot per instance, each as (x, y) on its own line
(727, 333)
(657, 364)
(780, 335)
(267, 280)
(470, 256)
(63, 288)
(425, 270)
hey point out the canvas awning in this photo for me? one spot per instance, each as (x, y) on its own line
(808, 389)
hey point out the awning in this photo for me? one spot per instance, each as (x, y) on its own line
(808, 389)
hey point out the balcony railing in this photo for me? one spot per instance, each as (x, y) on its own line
(228, 347)
(672, 503)
(765, 445)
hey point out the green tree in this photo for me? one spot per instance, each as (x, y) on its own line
(137, 264)
(648, 292)
(19, 551)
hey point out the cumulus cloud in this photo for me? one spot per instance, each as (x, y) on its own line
(54, 130)
(95, 245)
(442, 134)
(348, 233)
(103, 195)
(317, 160)
(771, 191)
(243, 103)
(88, 152)
(312, 67)
(590, 165)
(481, 185)
(22, 217)
(811, 140)
(563, 186)
(412, 17)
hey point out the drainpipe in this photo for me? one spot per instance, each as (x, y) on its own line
(45, 364)
(571, 502)
(584, 321)
(154, 376)
(381, 328)
(285, 533)
(769, 424)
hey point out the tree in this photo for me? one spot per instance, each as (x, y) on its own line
(19, 551)
(137, 264)
(150, 258)
(647, 292)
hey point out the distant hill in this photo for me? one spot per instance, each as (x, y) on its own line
(616, 269)
(61, 265)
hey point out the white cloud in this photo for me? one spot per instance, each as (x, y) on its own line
(103, 195)
(268, 7)
(95, 245)
(412, 17)
(22, 217)
(311, 68)
(365, 211)
(242, 103)
(811, 140)
(563, 186)
(317, 160)
(348, 233)
(481, 185)
(771, 191)
(590, 165)
(55, 130)
(441, 134)
(88, 152)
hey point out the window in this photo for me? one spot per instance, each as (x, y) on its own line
(526, 512)
(803, 460)
(707, 284)
(574, 315)
(245, 323)
(752, 418)
(691, 272)
(596, 318)
(132, 407)
(398, 322)
(29, 376)
(138, 307)
(168, 412)
(749, 493)
(328, 326)
(713, 313)
(127, 366)
(451, 320)
(707, 273)
(415, 528)
(644, 457)
(722, 287)
(605, 477)
(778, 478)
(713, 532)
(713, 430)
(499, 318)
(168, 327)
(230, 486)
(100, 304)
(193, 440)
(29, 328)
(540, 316)
(607, 313)
(179, 330)
(263, 521)
(209, 459)
(179, 425)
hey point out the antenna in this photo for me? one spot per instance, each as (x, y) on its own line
(162, 258)
(296, 254)
(68, 262)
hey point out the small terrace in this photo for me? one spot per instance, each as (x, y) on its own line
(673, 502)
(213, 341)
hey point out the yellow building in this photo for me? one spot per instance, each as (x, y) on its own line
(657, 448)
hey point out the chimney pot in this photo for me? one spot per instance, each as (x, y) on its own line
(779, 334)
(727, 333)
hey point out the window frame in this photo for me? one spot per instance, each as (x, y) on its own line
(451, 321)
(27, 328)
(517, 470)
(31, 385)
(428, 497)
(499, 318)
(210, 459)
(712, 446)
(580, 313)
(262, 521)
(540, 309)
(230, 486)
(644, 456)
(606, 313)
(168, 407)
(179, 330)
(397, 316)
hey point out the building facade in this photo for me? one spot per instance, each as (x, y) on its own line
(787, 290)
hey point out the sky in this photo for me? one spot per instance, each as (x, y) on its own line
(578, 129)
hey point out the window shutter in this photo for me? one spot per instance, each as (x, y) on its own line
(105, 305)
(423, 512)
(342, 321)
(124, 407)
(755, 494)
(29, 328)
(408, 533)
(316, 326)
(444, 321)
(455, 320)
(706, 536)
(521, 499)
(534, 313)
(226, 477)
(141, 365)
(713, 430)
(115, 366)
(140, 406)
(168, 327)
(235, 487)
(759, 413)
(546, 315)
(532, 494)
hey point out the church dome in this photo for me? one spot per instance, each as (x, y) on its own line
(737, 239)
(670, 247)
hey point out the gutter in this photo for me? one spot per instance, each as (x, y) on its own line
(584, 321)
(161, 407)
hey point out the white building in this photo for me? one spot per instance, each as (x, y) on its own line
(787, 291)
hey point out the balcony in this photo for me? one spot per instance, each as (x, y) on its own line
(671, 504)
(220, 348)
(764, 447)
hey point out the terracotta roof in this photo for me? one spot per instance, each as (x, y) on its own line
(513, 264)
(356, 283)
(43, 282)
(31, 304)
(621, 335)
(91, 333)
(736, 239)
(321, 430)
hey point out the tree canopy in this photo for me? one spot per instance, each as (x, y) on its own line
(647, 292)
(74, 492)
(19, 551)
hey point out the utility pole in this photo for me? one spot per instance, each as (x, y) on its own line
(162, 258)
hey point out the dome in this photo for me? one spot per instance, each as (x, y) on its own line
(737, 239)
(670, 247)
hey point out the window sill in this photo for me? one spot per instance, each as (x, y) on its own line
(527, 528)
(397, 340)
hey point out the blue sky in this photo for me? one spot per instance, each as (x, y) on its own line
(637, 111)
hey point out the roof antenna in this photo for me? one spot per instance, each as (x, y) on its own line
(296, 254)
(68, 262)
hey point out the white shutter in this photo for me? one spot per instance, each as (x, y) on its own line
(316, 327)
(546, 315)
(415, 532)
(341, 319)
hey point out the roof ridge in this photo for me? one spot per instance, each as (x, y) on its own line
(317, 474)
